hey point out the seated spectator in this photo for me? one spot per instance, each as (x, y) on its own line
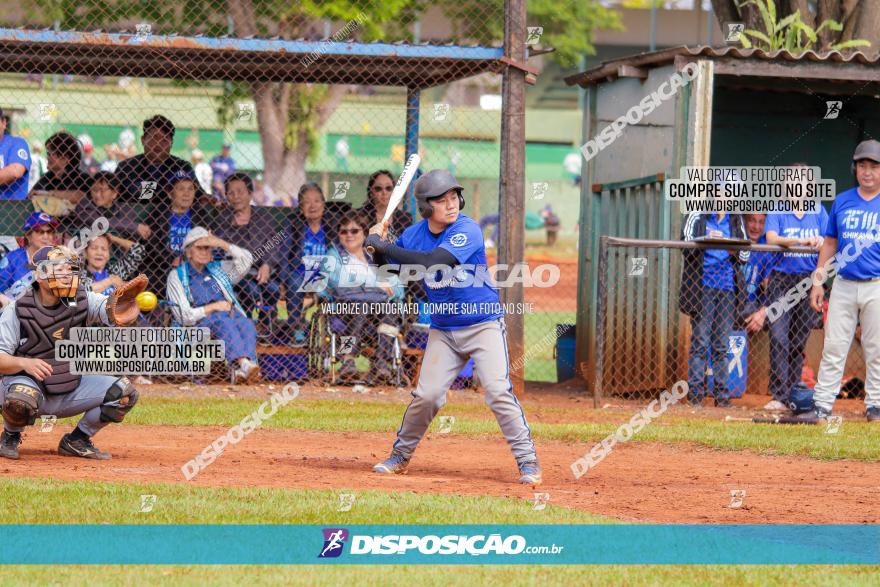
(253, 229)
(104, 272)
(711, 283)
(15, 163)
(200, 293)
(171, 223)
(102, 202)
(148, 176)
(307, 243)
(89, 165)
(379, 188)
(15, 274)
(351, 278)
(65, 180)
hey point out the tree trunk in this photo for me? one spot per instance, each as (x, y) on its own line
(725, 11)
(827, 9)
(868, 25)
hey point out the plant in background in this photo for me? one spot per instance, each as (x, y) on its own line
(790, 33)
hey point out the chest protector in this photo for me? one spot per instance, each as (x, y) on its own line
(41, 327)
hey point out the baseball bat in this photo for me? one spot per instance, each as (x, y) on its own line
(774, 420)
(406, 177)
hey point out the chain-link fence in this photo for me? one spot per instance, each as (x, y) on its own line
(278, 127)
(673, 310)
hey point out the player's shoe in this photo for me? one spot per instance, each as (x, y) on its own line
(395, 464)
(775, 406)
(247, 372)
(873, 414)
(83, 448)
(530, 473)
(817, 414)
(9, 442)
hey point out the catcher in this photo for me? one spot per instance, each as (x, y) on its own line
(34, 383)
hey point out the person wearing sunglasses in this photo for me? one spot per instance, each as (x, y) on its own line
(201, 293)
(39, 231)
(379, 188)
(351, 278)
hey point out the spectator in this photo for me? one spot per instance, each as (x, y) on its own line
(790, 331)
(15, 163)
(757, 272)
(493, 220)
(15, 274)
(172, 223)
(146, 176)
(307, 244)
(551, 224)
(113, 156)
(201, 293)
(39, 165)
(710, 285)
(379, 188)
(202, 169)
(102, 202)
(105, 273)
(253, 229)
(351, 278)
(89, 165)
(65, 178)
(222, 166)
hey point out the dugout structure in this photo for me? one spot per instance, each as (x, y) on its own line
(745, 107)
(160, 64)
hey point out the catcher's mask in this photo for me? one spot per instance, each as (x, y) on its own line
(59, 268)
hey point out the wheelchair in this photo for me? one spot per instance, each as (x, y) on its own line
(326, 347)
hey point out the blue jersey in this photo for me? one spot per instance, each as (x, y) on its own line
(854, 219)
(759, 267)
(789, 226)
(179, 225)
(13, 267)
(15, 150)
(717, 268)
(458, 300)
(314, 245)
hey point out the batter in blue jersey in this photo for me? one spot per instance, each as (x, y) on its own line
(451, 240)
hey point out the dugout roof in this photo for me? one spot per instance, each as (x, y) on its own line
(242, 59)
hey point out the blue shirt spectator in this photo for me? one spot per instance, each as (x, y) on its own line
(222, 166)
(853, 219)
(39, 231)
(717, 269)
(15, 164)
(789, 226)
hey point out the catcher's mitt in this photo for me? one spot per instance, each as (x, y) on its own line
(122, 308)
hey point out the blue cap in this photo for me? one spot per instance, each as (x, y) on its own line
(37, 219)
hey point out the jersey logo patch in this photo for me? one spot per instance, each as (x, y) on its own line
(58, 334)
(22, 154)
(458, 240)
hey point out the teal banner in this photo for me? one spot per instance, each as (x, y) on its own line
(436, 544)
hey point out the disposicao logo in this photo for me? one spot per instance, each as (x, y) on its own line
(334, 541)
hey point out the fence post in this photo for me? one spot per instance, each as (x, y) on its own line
(600, 321)
(412, 144)
(511, 202)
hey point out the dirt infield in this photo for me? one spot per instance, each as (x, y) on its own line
(643, 482)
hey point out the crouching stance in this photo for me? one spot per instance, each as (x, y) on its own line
(34, 383)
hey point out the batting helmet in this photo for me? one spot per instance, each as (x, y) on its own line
(434, 184)
(800, 400)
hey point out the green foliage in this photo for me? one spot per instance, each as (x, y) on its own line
(790, 33)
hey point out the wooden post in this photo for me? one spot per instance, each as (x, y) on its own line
(511, 203)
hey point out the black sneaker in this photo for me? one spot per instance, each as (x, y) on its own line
(9, 442)
(873, 414)
(817, 414)
(79, 447)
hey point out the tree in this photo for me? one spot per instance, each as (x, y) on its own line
(860, 19)
(290, 116)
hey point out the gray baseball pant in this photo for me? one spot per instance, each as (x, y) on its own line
(446, 354)
(86, 399)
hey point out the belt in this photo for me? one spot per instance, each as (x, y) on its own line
(860, 280)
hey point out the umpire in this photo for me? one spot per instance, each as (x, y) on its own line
(36, 384)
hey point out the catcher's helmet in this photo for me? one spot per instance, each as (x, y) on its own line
(53, 266)
(433, 184)
(800, 400)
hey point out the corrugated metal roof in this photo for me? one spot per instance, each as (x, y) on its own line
(246, 59)
(609, 69)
